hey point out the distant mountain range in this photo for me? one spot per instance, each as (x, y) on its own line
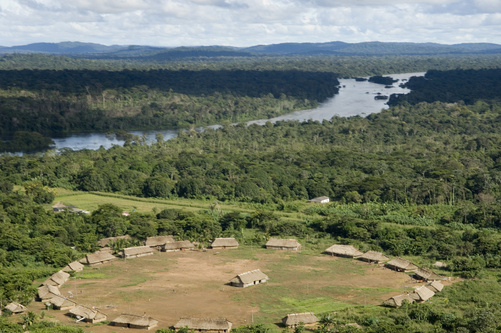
(98, 51)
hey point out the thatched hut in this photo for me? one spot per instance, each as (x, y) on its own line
(87, 314)
(205, 324)
(134, 321)
(178, 246)
(435, 286)
(45, 293)
(422, 294)
(98, 258)
(57, 279)
(157, 242)
(295, 319)
(373, 257)
(347, 251)
(401, 265)
(283, 244)
(397, 301)
(248, 279)
(74, 266)
(62, 303)
(427, 274)
(224, 243)
(15, 307)
(136, 252)
(104, 242)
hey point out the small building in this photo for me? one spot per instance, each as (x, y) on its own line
(439, 264)
(397, 301)
(347, 251)
(224, 243)
(283, 244)
(74, 266)
(295, 319)
(401, 265)
(46, 292)
(178, 246)
(59, 207)
(373, 257)
(422, 294)
(216, 325)
(426, 274)
(98, 258)
(57, 279)
(157, 242)
(320, 200)
(134, 321)
(62, 303)
(435, 286)
(248, 279)
(15, 307)
(104, 242)
(90, 315)
(136, 252)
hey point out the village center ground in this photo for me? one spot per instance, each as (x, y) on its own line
(167, 286)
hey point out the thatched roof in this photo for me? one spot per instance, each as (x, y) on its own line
(278, 242)
(57, 279)
(46, 292)
(87, 313)
(74, 266)
(427, 274)
(249, 277)
(435, 286)
(15, 307)
(396, 301)
(98, 257)
(224, 242)
(401, 263)
(137, 250)
(185, 244)
(373, 256)
(106, 241)
(344, 250)
(422, 294)
(294, 319)
(136, 320)
(204, 324)
(159, 240)
(60, 301)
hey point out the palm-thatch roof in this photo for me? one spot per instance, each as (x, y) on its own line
(295, 319)
(435, 286)
(57, 279)
(427, 274)
(106, 241)
(401, 264)
(178, 245)
(374, 256)
(396, 301)
(74, 266)
(159, 240)
(249, 277)
(61, 302)
(278, 243)
(98, 257)
(224, 243)
(136, 251)
(422, 294)
(204, 324)
(46, 292)
(344, 251)
(88, 314)
(15, 307)
(134, 321)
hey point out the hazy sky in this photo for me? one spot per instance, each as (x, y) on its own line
(248, 22)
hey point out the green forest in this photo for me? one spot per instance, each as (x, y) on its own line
(420, 179)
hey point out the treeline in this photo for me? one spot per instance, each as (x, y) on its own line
(56, 102)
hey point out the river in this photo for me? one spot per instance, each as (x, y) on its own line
(354, 98)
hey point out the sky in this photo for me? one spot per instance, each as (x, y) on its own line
(248, 22)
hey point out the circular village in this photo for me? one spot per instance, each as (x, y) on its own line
(169, 283)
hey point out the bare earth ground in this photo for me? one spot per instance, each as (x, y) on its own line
(167, 286)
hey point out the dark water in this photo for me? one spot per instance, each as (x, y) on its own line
(354, 98)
